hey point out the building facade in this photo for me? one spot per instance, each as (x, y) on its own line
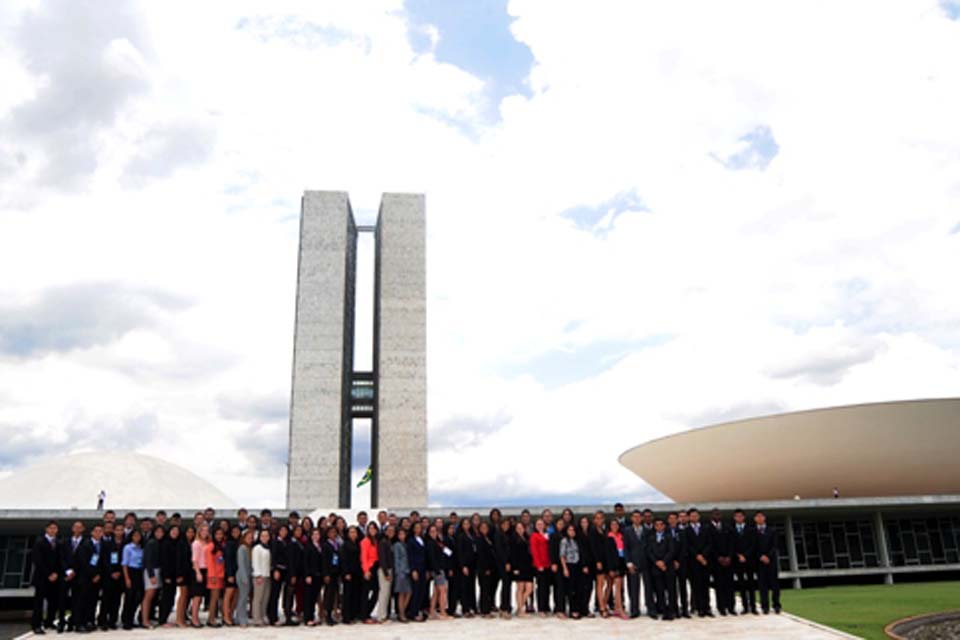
(327, 393)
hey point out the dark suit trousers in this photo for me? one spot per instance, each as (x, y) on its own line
(767, 581)
(682, 575)
(664, 587)
(506, 588)
(90, 596)
(468, 592)
(48, 592)
(65, 599)
(488, 587)
(415, 607)
(633, 591)
(330, 597)
(700, 587)
(133, 596)
(276, 588)
(744, 575)
(722, 584)
(110, 604)
(453, 591)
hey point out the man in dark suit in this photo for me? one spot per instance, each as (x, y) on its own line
(112, 581)
(744, 543)
(681, 564)
(661, 551)
(46, 578)
(767, 563)
(636, 557)
(69, 594)
(90, 566)
(721, 547)
(698, 544)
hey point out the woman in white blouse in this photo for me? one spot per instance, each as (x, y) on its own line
(261, 578)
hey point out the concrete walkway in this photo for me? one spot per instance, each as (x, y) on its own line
(769, 627)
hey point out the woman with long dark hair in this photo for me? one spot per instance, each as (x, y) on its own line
(438, 556)
(294, 576)
(401, 574)
(501, 546)
(385, 573)
(331, 573)
(260, 560)
(467, 554)
(417, 557)
(278, 571)
(521, 562)
(244, 578)
(369, 566)
(352, 576)
(312, 576)
(184, 573)
(215, 575)
(486, 570)
(616, 567)
(589, 565)
(454, 577)
(230, 549)
(132, 577)
(569, 550)
(152, 574)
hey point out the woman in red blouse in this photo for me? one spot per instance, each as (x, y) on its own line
(540, 551)
(215, 573)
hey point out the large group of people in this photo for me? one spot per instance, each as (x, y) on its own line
(152, 571)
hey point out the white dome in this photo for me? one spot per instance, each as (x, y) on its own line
(131, 481)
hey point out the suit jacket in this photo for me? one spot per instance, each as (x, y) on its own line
(313, 561)
(295, 554)
(698, 544)
(46, 560)
(486, 560)
(331, 559)
(767, 544)
(89, 561)
(416, 555)
(745, 542)
(665, 550)
(466, 550)
(721, 540)
(681, 553)
(635, 546)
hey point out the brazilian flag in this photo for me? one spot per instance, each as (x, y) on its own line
(367, 477)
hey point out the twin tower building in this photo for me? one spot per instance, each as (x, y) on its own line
(328, 394)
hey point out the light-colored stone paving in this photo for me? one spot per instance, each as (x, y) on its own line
(769, 627)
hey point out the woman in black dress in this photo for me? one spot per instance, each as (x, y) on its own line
(467, 552)
(521, 562)
(351, 576)
(486, 570)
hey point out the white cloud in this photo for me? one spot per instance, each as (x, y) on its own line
(824, 276)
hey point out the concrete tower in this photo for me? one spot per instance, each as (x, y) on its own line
(327, 393)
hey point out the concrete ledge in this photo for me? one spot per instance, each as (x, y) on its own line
(898, 628)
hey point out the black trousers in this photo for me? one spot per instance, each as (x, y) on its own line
(572, 587)
(647, 573)
(311, 593)
(544, 580)
(468, 591)
(289, 598)
(110, 602)
(48, 592)
(559, 591)
(89, 596)
(454, 580)
(65, 599)
(488, 587)
(633, 591)
(743, 572)
(371, 588)
(352, 602)
(588, 584)
(700, 588)
(417, 595)
(132, 596)
(506, 587)
(682, 575)
(664, 588)
(722, 584)
(168, 593)
(276, 589)
(767, 581)
(330, 596)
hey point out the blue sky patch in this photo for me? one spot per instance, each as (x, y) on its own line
(587, 217)
(474, 36)
(758, 148)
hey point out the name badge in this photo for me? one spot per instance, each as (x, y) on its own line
(219, 559)
(336, 559)
(114, 557)
(620, 552)
(94, 559)
(447, 552)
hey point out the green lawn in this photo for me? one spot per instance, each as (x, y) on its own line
(865, 610)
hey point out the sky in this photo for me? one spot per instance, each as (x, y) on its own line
(642, 218)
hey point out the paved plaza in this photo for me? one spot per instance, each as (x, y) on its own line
(769, 627)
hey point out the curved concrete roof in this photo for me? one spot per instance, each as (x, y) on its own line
(883, 449)
(131, 480)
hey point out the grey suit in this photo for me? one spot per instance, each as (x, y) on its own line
(244, 573)
(635, 549)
